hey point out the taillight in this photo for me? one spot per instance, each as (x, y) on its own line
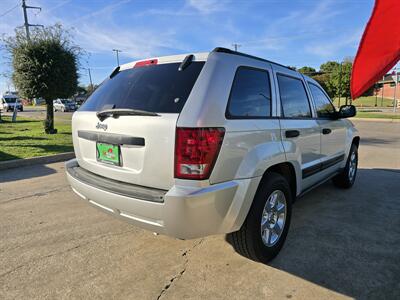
(196, 150)
(143, 63)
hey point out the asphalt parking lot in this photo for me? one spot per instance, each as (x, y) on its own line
(342, 243)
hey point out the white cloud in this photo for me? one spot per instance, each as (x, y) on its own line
(135, 43)
(207, 6)
(106, 11)
(328, 46)
(285, 32)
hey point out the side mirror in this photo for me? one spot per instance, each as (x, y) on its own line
(347, 111)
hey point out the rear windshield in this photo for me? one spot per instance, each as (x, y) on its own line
(157, 88)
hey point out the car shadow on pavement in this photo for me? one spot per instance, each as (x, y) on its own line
(348, 241)
(15, 174)
(377, 141)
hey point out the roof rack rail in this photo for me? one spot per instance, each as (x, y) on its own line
(229, 51)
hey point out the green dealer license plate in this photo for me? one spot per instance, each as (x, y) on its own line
(108, 153)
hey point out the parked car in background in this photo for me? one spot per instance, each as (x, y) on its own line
(79, 102)
(210, 143)
(8, 102)
(38, 101)
(64, 105)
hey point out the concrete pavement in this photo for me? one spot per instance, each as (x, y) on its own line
(342, 243)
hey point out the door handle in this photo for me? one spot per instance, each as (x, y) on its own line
(292, 133)
(326, 131)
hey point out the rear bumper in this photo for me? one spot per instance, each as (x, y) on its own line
(186, 212)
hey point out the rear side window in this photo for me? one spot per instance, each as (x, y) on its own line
(294, 98)
(250, 95)
(155, 88)
(324, 106)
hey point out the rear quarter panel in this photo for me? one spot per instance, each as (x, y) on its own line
(250, 146)
(248, 152)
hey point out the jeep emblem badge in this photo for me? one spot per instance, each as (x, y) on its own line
(101, 126)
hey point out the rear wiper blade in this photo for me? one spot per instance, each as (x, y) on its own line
(116, 112)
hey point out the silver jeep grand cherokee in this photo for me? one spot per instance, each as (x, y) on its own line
(210, 143)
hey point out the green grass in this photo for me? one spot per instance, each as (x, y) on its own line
(365, 102)
(377, 115)
(26, 138)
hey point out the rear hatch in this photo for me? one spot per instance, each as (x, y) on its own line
(134, 142)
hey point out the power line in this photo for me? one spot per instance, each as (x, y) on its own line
(8, 11)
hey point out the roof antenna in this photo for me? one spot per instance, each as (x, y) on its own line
(186, 62)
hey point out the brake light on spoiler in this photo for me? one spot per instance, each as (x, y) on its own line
(196, 150)
(146, 63)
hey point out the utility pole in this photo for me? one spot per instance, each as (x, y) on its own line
(340, 83)
(117, 51)
(236, 46)
(26, 23)
(383, 86)
(90, 79)
(396, 82)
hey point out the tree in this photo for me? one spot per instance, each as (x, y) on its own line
(324, 79)
(307, 70)
(44, 66)
(329, 66)
(341, 79)
(91, 88)
(337, 77)
(80, 90)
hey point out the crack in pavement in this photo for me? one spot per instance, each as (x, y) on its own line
(181, 272)
(63, 252)
(38, 194)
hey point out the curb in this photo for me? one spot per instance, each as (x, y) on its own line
(377, 120)
(16, 163)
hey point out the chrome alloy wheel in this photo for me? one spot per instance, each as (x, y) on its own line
(273, 218)
(352, 165)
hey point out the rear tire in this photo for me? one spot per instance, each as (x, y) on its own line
(347, 177)
(264, 231)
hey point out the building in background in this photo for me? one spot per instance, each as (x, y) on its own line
(387, 88)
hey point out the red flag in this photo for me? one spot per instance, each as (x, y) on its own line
(379, 48)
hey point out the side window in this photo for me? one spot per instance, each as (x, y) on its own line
(250, 95)
(323, 105)
(294, 98)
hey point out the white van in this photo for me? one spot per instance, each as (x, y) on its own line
(8, 102)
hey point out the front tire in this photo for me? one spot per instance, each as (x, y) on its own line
(347, 177)
(264, 231)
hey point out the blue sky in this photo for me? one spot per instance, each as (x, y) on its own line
(295, 33)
